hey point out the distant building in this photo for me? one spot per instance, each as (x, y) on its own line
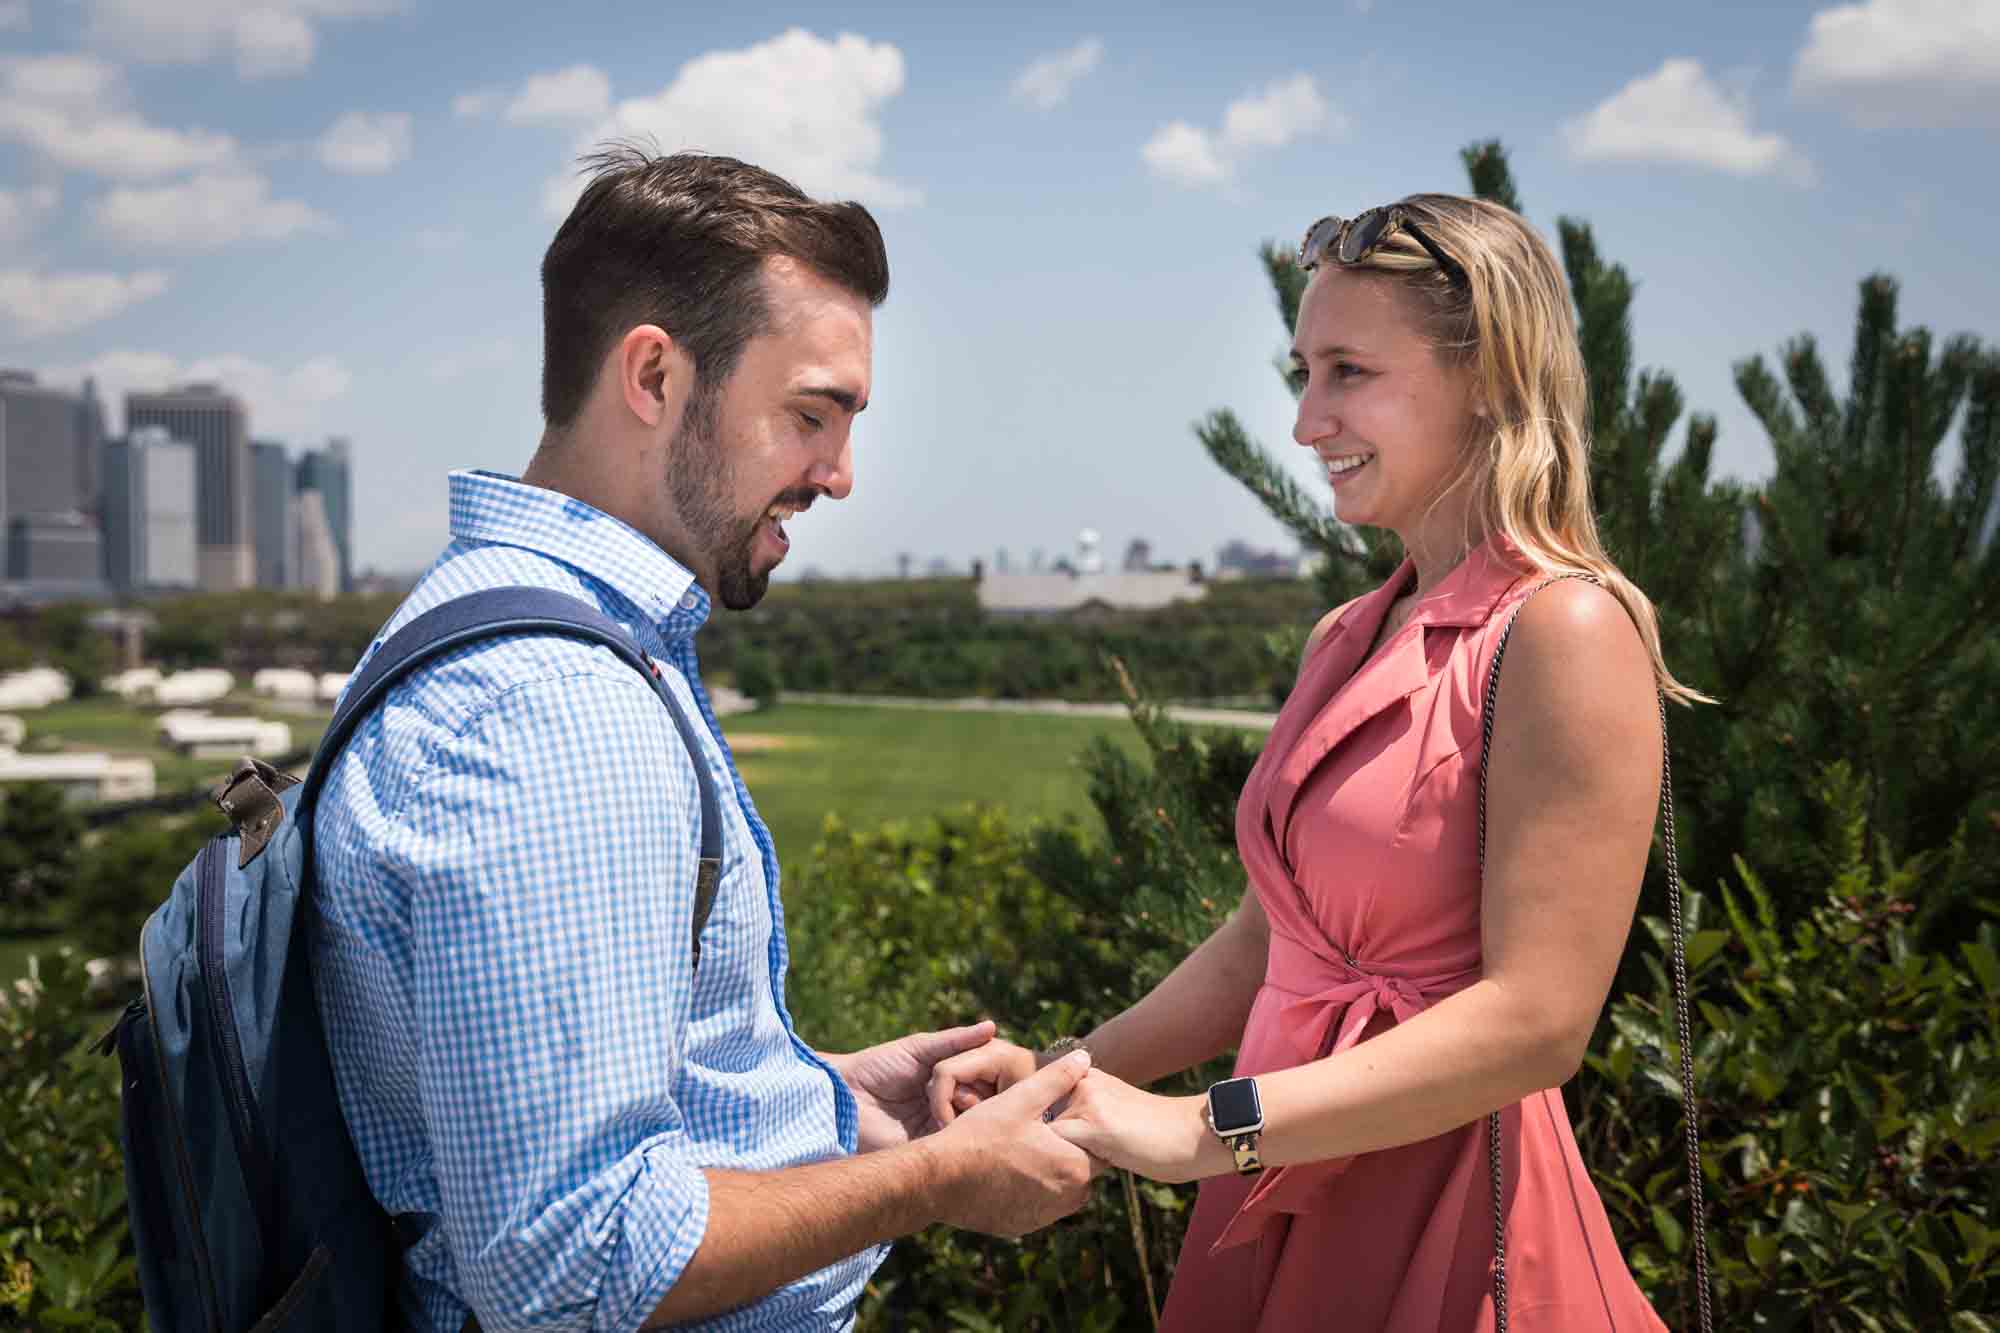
(149, 511)
(48, 485)
(1138, 556)
(1032, 595)
(56, 552)
(218, 425)
(271, 517)
(315, 560)
(329, 471)
(1240, 560)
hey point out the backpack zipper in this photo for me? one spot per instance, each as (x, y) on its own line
(237, 1097)
(204, 1269)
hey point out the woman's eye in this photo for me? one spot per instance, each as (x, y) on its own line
(1296, 376)
(812, 422)
(1346, 370)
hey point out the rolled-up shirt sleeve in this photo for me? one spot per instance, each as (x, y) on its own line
(550, 853)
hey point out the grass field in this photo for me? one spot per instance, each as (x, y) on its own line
(870, 765)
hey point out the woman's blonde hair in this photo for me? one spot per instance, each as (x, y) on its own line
(1512, 325)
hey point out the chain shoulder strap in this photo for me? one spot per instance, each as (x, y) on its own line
(1690, 1103)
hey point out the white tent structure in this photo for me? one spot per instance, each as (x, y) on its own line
(37, 687)
(287, 684)
(202, 686)
(203, 737)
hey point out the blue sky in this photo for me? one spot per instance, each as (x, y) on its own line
(338, 207)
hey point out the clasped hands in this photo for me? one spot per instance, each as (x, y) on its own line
(1024, 1141)
(1162, 1138)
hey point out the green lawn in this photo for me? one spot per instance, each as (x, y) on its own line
(109, 723)
(870, 765)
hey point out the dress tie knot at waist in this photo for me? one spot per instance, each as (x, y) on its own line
(1333, 1016)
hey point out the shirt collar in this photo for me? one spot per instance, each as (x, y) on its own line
(490, 507)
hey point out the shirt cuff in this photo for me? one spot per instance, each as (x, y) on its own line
(665, 1219)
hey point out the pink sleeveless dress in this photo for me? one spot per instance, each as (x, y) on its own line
(1359, 829)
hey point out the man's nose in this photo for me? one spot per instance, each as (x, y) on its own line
(835, 478)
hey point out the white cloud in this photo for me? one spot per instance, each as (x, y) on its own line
(1183, 154)
(14, 16)
(271, 42)
(1047, 81)
(37, 304)
(1286, 110)
(581, 92)
(267, 37)
(1915, 64)
(208, 211)
(363, 143)
(477, 104)
(799, 105)
(75, 111)
(1678, 114)
(282, 402)
(21, 211)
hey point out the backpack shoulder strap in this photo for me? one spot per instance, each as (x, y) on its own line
(491, 613)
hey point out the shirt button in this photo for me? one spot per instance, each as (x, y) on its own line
(687, 602)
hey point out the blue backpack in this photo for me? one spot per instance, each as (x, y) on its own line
(249, 1209)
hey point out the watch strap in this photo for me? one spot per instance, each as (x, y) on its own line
(1244, 1147)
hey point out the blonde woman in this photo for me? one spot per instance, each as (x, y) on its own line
(1383, 994)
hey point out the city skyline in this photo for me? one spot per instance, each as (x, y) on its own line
(339, 216)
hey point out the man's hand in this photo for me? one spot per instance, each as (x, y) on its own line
(890, 1081)
(962, 1082)
(1006, 1171)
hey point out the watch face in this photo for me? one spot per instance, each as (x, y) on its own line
(1233, 1105)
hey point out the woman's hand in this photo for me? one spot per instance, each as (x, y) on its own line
(1161, 1138)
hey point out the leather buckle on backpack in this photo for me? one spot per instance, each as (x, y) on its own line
(249, 796)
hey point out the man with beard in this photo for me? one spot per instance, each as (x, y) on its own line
(581, 1129)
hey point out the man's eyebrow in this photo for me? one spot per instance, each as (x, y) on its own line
(845, 399)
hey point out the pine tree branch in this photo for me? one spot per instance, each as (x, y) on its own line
(1288, 280)
(1487, 170)
(1259, 473)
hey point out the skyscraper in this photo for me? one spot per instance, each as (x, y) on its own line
(315, 560)
(149, 511)
(271, 512)
(328, 471)
(43, 476)
(218, 425)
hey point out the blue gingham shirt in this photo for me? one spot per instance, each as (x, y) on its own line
(506, 861)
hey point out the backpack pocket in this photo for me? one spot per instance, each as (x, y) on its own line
(175, 1275)
(303, 1305)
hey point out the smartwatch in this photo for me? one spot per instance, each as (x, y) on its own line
(1237, 1116)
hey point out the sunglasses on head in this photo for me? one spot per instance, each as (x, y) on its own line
(1351, 240)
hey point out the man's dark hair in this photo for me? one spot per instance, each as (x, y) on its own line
(679, 241)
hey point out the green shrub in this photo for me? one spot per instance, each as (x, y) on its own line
(64, 1261)
(1850, 1083)
(126, 873)
(40, 833)
(757, 676)
(913, 927)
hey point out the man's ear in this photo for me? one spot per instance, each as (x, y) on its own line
(648, 367)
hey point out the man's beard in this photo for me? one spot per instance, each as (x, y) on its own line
(700, 482)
